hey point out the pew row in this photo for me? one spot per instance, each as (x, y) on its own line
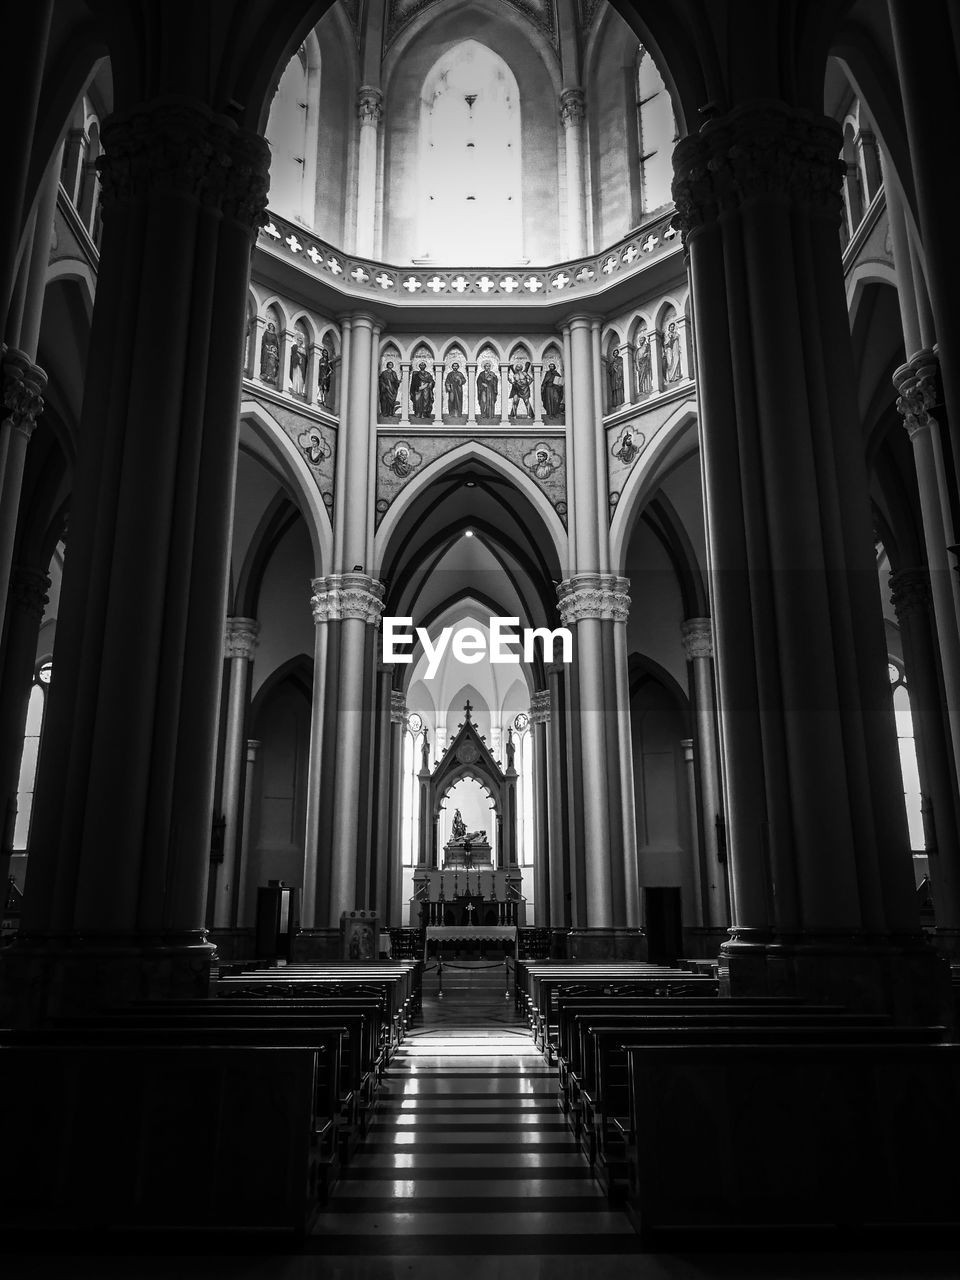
(842, 1137)
(225, 1137)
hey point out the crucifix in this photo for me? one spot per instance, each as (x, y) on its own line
(469, 912)
(467, 708)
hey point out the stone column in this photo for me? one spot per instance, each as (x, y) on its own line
(369, 113)
(23, 387)
(556, 842)
(911, 598)
(28, 337)
(356, 603)
(539, 719)
(240, 642)
(916, 382)
(250, 764)
(23, 79)
(572, 112)
(697, 638)
(822, 885)
(398, 723)
(926, 54)
(114, 906)
(694, 908)
(314, 886)
(624, 753)
(590, 603)
(471, 372)
(382, 786)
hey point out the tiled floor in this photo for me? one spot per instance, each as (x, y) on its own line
(469, 1174)
(469, 1154)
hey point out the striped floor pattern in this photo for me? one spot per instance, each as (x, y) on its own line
(468, 1154)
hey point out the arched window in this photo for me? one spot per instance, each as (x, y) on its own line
(292, 132)
(908, 756)
(31, 751)
(657, 130)
(471, 173)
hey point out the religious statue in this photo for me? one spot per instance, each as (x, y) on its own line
(644, 365)
(388, 386)
(551, 392)
(615, 378)
(270, 354)
(511, 749)
(521, 381)
(298, 367)
(671, 354)
(454, 384)
(324, 376)
(421, 391)
(460, 834)
(488, 385)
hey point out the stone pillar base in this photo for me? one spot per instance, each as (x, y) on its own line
(703, 943)
(48, 976)
(899, 976)
(234, 946)
(606, 944)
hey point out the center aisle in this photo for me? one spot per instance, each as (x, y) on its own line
(469, 1154)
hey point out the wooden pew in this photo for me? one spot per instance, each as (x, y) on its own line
(159, 1137)
(844, 1137)
(398, 984)
(354, 1082)
(570, 1007)
(604, 1130)
(672, 985)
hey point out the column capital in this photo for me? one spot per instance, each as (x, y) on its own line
(540, 707)
(398, 707)
(918, 386)
(910, 593)
(369, 104)
(593, 595)
(340, 596)
(23, 387)
(761, 148)
(573, 107)
(241, 637)
(696, 636)
(28, 590)
(176, 145)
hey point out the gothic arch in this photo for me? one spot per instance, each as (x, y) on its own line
(82, 273)
(470, 451)
(680, 429)
(294, 469)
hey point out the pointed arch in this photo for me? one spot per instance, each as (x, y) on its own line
(293, 466)
(470, 451)
(675, 439)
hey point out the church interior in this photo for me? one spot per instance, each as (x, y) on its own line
(480, 637)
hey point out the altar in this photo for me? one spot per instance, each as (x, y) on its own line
(504, 935)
